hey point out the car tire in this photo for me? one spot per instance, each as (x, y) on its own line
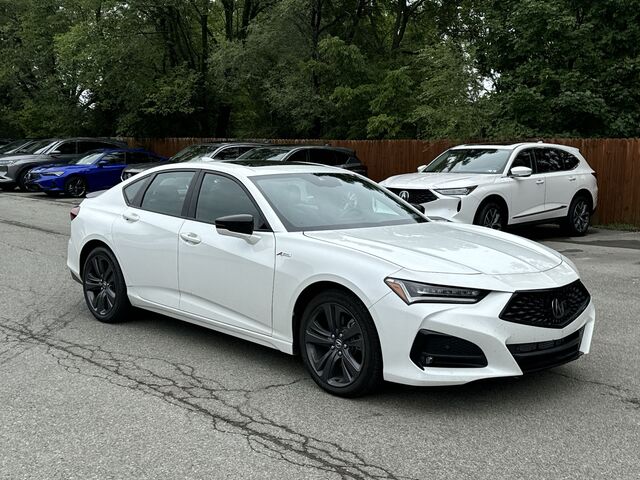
(339, 344)
(104, 288)
(75, 186)
(20, 180)
(491, 215)
(578, 217)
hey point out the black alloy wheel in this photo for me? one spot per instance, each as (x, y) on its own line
(104, 288)
(491, 215)
(340, 345)
(578, 216)
(75, 187)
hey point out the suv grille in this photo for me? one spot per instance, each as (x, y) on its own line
(531, 357)
(415, 196)
(552, 308)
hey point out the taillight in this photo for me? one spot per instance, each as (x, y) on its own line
(595, 174)
(74, 212)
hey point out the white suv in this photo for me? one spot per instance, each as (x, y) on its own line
(500, 185)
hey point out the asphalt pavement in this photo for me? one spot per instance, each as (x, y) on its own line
(159, 398)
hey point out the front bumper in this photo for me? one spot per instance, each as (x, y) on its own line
(460, 209)
(398, 325)
(46, 184)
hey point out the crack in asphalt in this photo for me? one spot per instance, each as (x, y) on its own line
(230, 410)
(621, 393)
(15, 223)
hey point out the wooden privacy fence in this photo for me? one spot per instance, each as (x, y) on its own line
(616, 161)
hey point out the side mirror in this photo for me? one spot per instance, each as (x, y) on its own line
(419, 207)
(102, 163)
(422, 168)
(520, 172)
(240, 225)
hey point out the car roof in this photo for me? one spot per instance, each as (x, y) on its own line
(511, 146)
(249, 168)
(291, 147)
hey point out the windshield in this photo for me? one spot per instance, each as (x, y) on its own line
(267, 153)
(14, 145)
(192, 152)
(470, 160)
(35, 147)
(89, 159)
(331, 201)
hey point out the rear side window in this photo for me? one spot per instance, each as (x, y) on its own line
(131, 191)
(220, 196)
(570, 161)
(548, 160)
(167, 192)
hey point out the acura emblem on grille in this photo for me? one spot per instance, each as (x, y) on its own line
(557, 308)
(404, 195)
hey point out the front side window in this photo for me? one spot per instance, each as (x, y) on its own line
(329, 201)
(322, 156)
(524, 159)
(548, 160)
(66, 148)
(470, 160)
(221, 196)
(167, 192)
(299, 156)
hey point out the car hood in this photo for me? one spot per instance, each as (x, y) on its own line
(438, 180)
(447, 248)
(29, 159)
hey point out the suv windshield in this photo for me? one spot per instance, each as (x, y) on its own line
(35, 147)
(470, 160)
(266, 153)
(331, 201)
(192, 153)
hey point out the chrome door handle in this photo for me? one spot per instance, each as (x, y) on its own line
(191, 238)
(131, 217)
(539, 182)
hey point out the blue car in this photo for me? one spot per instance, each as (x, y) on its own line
(98, 170)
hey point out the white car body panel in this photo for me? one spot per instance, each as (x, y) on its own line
(248, 287)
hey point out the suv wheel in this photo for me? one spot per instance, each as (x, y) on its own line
(491, 215)
(578, 216)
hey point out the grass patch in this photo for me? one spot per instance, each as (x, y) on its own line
(622, 227)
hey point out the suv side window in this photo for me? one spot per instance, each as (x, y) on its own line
(548, 160)
(524, 159)
(220, 196)
(67, 148)
(299, 156)
(167, 192)
(323, 156)
(228, 153)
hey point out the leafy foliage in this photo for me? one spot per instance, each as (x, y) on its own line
(459, 69)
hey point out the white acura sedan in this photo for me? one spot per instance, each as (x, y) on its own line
(323, 262)
(499, 185)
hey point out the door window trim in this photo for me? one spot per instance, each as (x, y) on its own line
(137, 201)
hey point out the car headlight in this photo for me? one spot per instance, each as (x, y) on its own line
(456, 191)
(57, 174)
(416, 292)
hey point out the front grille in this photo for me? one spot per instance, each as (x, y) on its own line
(415, 196)
(552, 308)
(433, 349)
(532, 357)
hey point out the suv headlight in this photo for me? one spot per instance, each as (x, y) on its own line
(456, 191)
(416, 292)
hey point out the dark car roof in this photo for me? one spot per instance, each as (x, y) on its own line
(301, 146)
